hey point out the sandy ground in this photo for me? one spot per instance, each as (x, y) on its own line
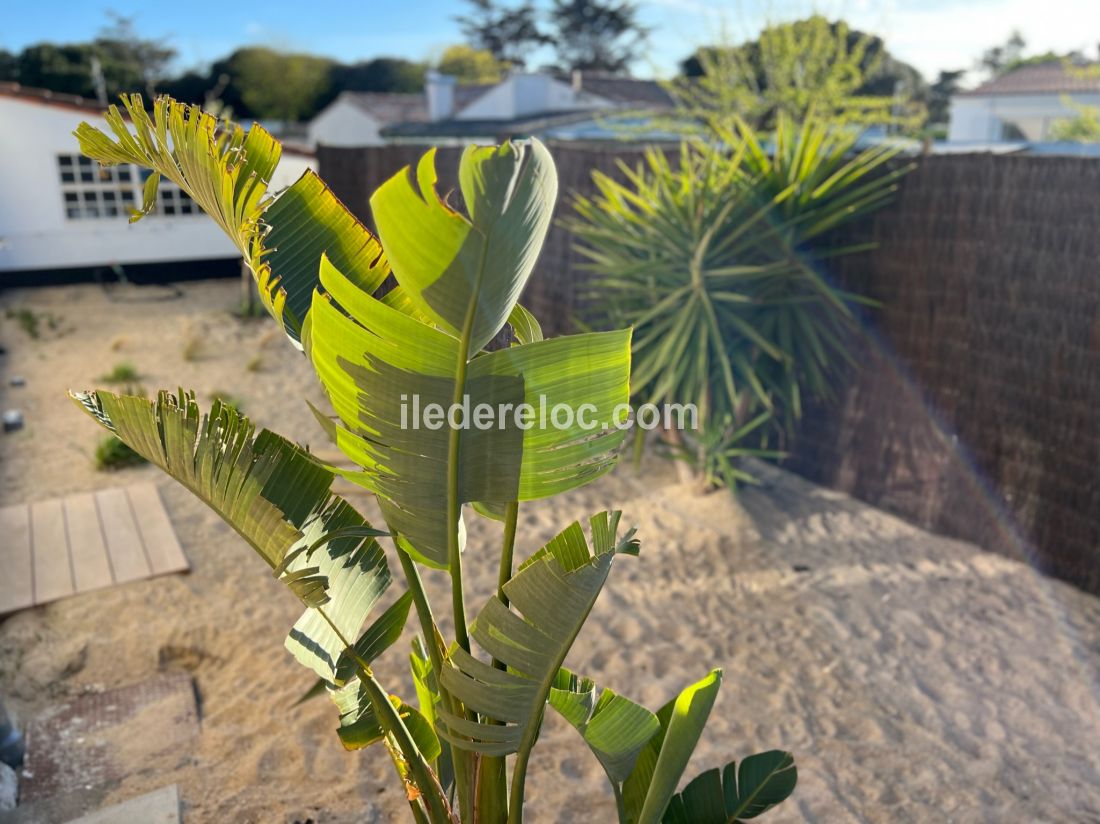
(914, 677)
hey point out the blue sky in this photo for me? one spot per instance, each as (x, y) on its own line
(931, 34)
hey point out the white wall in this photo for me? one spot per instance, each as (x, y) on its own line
(983, 118)
(34, 230)
(342, 123)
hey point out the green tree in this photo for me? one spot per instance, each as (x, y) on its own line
(279, 85)
(1082, 127)
(470, 65)
(118, 57)
(381, 74)
(940, 94)
(8, 66)
(128, 60)
(997, 60)
(810, 66)
(60, 68)
(597, 35)
(508, 33)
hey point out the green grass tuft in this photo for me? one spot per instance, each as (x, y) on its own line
(122, 373)
(26, 319)
(112, 454)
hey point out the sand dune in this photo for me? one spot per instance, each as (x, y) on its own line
(915, 678)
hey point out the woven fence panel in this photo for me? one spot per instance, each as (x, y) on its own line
(974, 410)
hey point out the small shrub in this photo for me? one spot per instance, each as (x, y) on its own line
(716, 262)
(112, 454)
(121, 373)
(255, 363)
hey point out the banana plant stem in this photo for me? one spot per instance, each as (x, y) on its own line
(424, 614)
(492, 781)
(390, 720)
(511, 518)
(454, 506)
(519, 779)
(435, 654)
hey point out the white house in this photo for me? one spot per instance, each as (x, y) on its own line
(1023, 104)
(448, 111)
(60, 210)
(357, 118)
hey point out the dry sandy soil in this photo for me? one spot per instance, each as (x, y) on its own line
(914, 677)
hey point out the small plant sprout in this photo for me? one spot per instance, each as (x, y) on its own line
(121, 373)
(111, 454)
(461, 741)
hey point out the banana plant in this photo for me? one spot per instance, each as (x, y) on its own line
(461, 744)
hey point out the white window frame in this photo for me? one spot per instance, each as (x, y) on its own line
(93, 192)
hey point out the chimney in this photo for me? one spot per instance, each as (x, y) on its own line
(440, 91)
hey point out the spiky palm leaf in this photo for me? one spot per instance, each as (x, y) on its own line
(709, 260)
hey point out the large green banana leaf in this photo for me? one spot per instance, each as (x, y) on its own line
(644, 756)
(374, 359)
(550, 597)
(737, 792)
(468, 273)
(226, 172)
(613, 726)
(657, 770)
(276, 497)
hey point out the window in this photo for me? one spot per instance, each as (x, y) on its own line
(91, 191)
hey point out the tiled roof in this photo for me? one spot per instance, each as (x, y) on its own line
(388, 107)
(45, 97)
(1043, 78)
(627, 91)
(499, 129)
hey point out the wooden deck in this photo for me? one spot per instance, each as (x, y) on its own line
(56, 548)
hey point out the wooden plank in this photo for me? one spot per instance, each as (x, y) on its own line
(162, 547)
(87, 548)
(53, 574)
(16, 560)
(123, 539)
(158, 807)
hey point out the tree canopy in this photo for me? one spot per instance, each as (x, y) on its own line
(597, 35)
(116, 61)
(470, 65)
(507, 33)
(256, 82)
(807, 66)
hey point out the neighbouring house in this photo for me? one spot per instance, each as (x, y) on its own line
(1023, 104)
(588, 106)
(357, 118)
(61, 210)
